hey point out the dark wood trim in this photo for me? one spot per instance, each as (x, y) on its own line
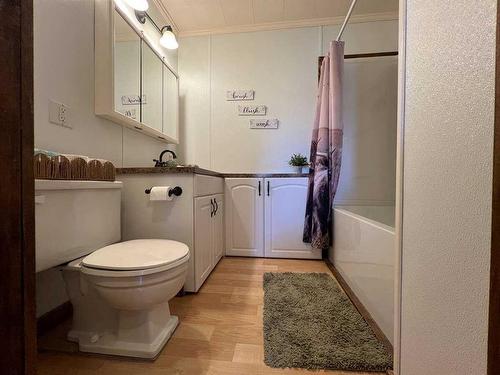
(494, 310)
(358, 56)
(17, 239)
(360, 307)
(53, 318)
(373, 54)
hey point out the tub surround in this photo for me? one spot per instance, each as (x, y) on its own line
(197, 170)
(363, 254)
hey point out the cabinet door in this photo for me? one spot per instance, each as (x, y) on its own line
(203, 239)
(151, 99)
(218, 228)
(244, 216)
(285, 205)
(170, 104)
(127, 69)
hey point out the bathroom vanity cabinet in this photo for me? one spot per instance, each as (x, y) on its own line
(196, 217)
(208, 234)
(265, 217)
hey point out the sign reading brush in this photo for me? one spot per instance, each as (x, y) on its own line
(252, 110)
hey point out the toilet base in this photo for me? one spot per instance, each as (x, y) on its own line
(110, 344)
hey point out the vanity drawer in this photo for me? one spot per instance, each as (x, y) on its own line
(208, 185)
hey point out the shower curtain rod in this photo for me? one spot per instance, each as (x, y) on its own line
(349, 12)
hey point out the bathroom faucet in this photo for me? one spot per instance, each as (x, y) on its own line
(160, 162)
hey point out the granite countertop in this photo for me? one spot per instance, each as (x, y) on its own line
(197, 170)
(181, 169)
(264, 175)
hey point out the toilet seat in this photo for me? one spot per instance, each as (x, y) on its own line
(135, 258)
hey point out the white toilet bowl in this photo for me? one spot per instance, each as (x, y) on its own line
(120, 296)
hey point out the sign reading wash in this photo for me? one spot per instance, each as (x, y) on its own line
(264, 123)
(252, 110)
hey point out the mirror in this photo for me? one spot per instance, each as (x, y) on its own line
(127, 68)
(134, 85)
(170, 103)
(152, 72)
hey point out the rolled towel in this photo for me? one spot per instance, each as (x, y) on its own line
(60, 168)
(109, 170)
(95, 170)
(78, 166)
(42, 166)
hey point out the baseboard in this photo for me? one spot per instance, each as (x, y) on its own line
(54, 317)
(360, 307)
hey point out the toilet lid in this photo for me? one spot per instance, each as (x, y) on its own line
(136, 255)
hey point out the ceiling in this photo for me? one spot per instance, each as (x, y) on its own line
(197, 17)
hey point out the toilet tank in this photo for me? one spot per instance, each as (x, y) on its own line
(74, 218)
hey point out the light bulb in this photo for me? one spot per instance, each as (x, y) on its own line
(168, 40)
(140, 5)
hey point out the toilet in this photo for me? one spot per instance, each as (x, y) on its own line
(119, 290)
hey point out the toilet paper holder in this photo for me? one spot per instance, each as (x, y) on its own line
(177, 191)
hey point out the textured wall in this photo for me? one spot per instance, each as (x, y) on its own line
(447, 186)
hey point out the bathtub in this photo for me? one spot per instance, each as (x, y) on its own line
(363, 252)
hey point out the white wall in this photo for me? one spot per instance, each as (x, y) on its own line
(282, 65)
(449, 115)
(64, 72)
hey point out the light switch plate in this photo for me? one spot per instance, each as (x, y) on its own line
(59, 114)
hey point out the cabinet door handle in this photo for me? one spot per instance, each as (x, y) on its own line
(268, 188)
(213, 207)
(216, 206)
(259, 189)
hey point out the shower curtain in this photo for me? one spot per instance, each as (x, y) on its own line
(326, 150)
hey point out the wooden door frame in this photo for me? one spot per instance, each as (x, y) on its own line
(17, 239)
(494, 311)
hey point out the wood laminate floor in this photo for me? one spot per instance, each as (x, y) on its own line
(220, 330)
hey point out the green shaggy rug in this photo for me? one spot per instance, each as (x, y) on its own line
(309, 322)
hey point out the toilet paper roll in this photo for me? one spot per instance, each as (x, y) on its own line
(160, 193)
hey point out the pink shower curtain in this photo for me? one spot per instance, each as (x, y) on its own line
(326, 150)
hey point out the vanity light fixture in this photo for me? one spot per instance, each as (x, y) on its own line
(140, 5)
(168, 39)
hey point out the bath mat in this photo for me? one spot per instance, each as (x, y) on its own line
(309, 322)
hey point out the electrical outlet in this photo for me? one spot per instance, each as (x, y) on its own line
(59, 114)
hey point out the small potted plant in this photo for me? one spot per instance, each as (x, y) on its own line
(298, 162)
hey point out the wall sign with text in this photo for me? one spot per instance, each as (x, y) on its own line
(130, 113)
(240, 95)
(133, 99)
(271, 123)
(252, 110)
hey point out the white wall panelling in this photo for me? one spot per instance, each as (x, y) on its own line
(281, 66)
(64, 72)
